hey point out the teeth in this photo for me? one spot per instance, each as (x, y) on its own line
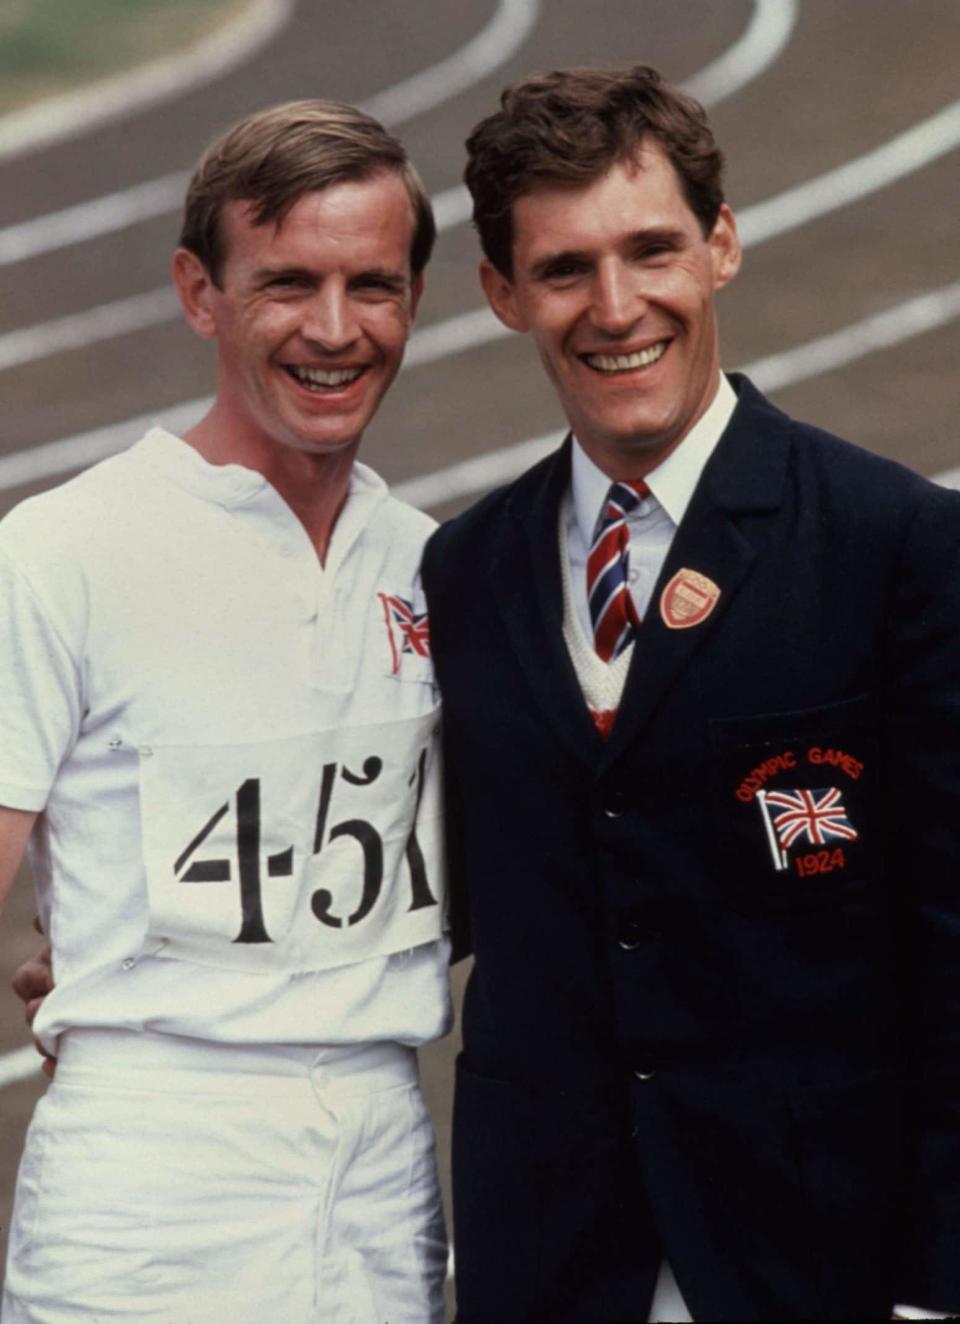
(321, 377)
(624, 362)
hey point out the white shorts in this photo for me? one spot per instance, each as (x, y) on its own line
(170, 1181)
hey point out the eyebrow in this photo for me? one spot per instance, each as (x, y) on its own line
(390, 275)
(543, 265)
(263, 274)
(658, 234)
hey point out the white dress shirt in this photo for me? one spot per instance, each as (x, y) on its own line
(653, 523)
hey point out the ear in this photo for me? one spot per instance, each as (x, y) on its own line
(195, 286)
(502, 296)
(724, 248)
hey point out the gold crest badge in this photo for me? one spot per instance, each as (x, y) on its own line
(688, 600)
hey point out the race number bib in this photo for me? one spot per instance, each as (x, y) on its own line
(296, 855)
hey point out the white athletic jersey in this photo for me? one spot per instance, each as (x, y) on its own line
(235, 750)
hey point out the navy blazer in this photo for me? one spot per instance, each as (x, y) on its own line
(703, 1023)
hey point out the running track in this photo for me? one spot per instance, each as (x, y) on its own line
(841, 125)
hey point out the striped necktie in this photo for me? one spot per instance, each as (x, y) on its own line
(612, 612)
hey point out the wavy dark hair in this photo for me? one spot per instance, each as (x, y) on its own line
(570, 127)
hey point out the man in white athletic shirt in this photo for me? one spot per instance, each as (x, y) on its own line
(218, 734)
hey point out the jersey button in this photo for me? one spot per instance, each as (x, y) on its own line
(129, 963)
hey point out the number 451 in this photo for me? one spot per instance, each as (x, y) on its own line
(280, 865)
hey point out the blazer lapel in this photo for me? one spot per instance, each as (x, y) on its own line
(527, 586)
(745, 475)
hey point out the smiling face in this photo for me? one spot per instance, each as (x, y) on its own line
(311, 317)
(616, 283)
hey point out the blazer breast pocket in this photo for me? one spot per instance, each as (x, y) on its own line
(795, 802)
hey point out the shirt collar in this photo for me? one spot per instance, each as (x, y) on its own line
(235, 484)
(672, 483)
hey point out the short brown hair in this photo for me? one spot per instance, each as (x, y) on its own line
(570, 127)
(275, 157)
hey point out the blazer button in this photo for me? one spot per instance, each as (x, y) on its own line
(615, 803)
(630, 936)
(644, 1075)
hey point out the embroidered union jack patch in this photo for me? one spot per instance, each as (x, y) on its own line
(408, 631)
(803, 817)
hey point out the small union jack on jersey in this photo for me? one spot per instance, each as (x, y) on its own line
(817, 816)
(407, 630)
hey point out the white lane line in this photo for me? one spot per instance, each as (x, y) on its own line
(913, 317)
(493, 45)
(145, 202)
(894, 160)
(53, 458)
(18, 1065)
(509, 28)
(105, 322)
(475, 476)
(762, 43)
(57, 118)
(453, 335)
(88, 220)
(452, 207)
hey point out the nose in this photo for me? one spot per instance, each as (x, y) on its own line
(330, 320)
(618, 300)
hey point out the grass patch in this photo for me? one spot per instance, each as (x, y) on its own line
(48, 46)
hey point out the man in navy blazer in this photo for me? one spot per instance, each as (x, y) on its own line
(701, 678)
